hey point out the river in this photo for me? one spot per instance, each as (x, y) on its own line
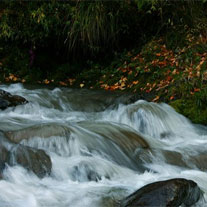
(102, 147)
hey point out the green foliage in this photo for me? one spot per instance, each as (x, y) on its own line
(94, 27)
(97, 26)
(94, 24)
(31, 22)
(16, 60)
(85, 26)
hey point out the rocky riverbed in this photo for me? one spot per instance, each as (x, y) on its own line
(57, 145)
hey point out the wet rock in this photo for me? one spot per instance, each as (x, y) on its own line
(3, 103)
(121, 143)
(174, 158)
(9, 100)
(4, 93)
(42, 130)
(174, 192)
(35, 160)
(165, 135)
(108, 202)
(4, 158)
(84, 173)
(200, 161)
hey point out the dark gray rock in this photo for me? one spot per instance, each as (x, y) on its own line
(3, 103)
(35, 160)
(9, 100)
(174, 192)
(4, 93)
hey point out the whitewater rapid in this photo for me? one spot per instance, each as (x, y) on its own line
(93, 140)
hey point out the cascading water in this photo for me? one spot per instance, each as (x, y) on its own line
(101, 149)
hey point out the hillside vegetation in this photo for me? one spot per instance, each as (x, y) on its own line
(157, 49)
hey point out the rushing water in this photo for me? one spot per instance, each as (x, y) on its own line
(101, 149)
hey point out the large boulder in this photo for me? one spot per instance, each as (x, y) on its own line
(8, 100)
(121, 143)
(35, 160)
(174, 192)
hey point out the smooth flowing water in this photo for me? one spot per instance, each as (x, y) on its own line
(102, 149)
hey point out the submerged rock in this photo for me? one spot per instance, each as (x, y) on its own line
(8, 100)
(3, 103)
(4, 158)
(35, 160)
(174, 192)
(174, 158)
(120, 143)
(199, 161)
(84, 173)
(192, 161)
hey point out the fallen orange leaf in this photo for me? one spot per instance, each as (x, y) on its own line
(62, 83)
(135, 82)
(130, 72)
(197, 89)
(156, 98)
(172, 97)
(46, 81)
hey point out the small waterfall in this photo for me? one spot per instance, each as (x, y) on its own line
(102, 147)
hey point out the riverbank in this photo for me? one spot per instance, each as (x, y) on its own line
(157, 72)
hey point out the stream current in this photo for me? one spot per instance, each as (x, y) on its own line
(102, 147)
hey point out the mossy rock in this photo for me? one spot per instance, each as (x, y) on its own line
(189, 109)
(34, 160)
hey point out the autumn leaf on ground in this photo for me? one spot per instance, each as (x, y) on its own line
(62, 83)
(135, 82)
(162, 63)
(11, 76)
(46, 81)
(156, 99)
(71, 81)
(81, 85)
(15, 78)
(158, 54)
(197, 89)
(172, 97)
(124, 79)
(169, 78)
(130, 72)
